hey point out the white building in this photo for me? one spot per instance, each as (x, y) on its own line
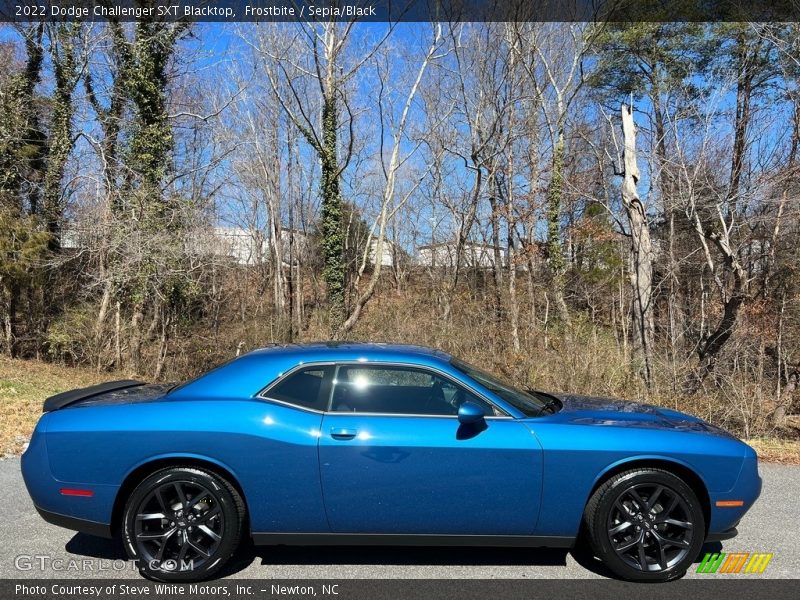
(240, 245)
(252, 246)
(481, 256)
(387, 257)
(245, 247)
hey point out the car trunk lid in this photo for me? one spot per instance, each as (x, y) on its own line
(126, 391)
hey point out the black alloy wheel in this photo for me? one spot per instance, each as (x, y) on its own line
(182, 524)
(650, 527)
(645, 525)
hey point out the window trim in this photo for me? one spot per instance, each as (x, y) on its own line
(263, 394)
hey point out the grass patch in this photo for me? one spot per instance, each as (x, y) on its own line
(774, 450)
(24, 384)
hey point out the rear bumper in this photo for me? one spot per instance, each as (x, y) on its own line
(75, 524)
(89, 514)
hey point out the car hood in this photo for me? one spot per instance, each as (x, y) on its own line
(600, 411)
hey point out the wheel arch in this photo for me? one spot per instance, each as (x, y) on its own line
(143, 470)
(680, 469)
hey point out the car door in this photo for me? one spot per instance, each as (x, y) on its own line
(394, 458)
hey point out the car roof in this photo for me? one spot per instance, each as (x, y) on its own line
(344, 350)
(251, 372)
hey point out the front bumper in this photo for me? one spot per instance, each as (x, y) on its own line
(747, 489)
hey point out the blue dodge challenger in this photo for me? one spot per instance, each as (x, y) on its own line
(345, 443)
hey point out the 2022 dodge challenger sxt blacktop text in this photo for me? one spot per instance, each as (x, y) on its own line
(345, 443)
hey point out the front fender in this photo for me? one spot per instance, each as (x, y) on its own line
(577, 457)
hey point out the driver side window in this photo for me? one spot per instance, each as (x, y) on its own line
(398, 390)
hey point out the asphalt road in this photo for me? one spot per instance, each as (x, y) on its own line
(771, 526)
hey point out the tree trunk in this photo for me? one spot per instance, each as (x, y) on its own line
(555, 256)
(511, 255)
(744, 90)
(117, 336)
(733, 298)
(641, 272)
(101, 317)
(59, 149)
(666, 189)
(497, 261)
(792, 382)
(135, 350)
(709, 350)
(163, 346)
(291, 282)
(333, 271)
(10, 321)
(463, 235)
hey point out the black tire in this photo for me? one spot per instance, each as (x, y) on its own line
(182, 524)
(648, 515)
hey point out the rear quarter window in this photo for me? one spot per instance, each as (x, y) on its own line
(302, 388)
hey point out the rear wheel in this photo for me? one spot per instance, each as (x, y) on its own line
(645, 525)
(182, 524)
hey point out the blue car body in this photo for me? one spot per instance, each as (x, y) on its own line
(311, 476)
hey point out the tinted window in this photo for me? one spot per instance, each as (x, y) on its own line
(302, 388)
(398, 390)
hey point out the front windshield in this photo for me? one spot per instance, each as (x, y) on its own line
(525, 402)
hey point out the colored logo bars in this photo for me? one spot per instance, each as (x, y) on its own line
(734, 562)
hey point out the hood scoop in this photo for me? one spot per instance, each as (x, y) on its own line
(588, 410)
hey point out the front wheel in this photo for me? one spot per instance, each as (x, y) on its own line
(645, 525)
(182, 524)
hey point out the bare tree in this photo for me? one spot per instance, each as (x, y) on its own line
(553, 59)
(389, 205)
(323, 49)
(641, 271)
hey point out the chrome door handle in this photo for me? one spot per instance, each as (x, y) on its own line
(340, 433)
